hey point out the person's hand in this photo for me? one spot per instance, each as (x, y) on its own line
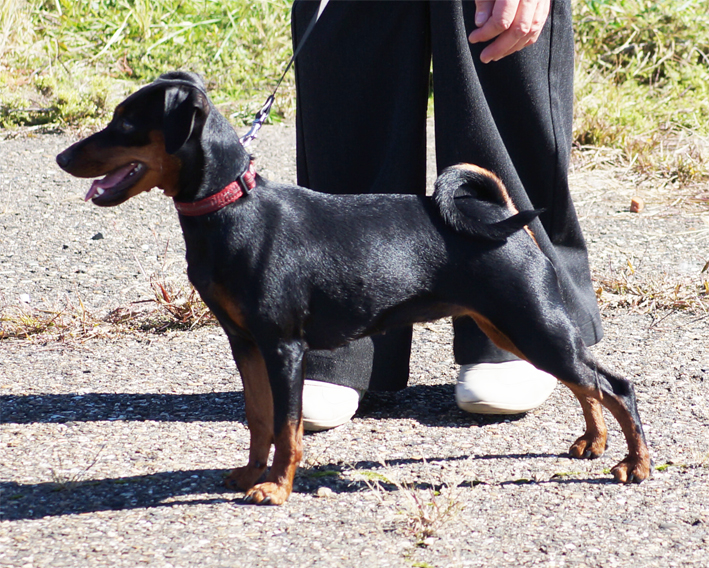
(515, 24)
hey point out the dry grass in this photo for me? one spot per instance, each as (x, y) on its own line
(629, 289)
(69, 320)
(172, 308)
(66, 480)
(176, 307)
(183, 306)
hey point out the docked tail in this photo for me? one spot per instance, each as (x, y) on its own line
(487, 212)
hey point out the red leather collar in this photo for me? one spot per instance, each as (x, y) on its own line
(231, 193)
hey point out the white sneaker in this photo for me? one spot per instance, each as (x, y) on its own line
(327, 406)
(511, 387)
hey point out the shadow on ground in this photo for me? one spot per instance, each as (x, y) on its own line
(429, 405)
(60, 408)
(426, 404)
(204, 486)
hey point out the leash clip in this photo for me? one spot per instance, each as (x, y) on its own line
(262, 115)
(259, 119)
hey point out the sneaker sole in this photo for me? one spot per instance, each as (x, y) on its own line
(492, 408)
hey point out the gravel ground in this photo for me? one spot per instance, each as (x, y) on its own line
(112, 449)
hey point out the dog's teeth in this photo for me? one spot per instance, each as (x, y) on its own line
(99, 191)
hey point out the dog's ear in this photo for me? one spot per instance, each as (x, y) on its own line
(185, 110)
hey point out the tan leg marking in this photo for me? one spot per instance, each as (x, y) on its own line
(279, 483)
(636, 465)
(257, 395)
(259, 416)
(593, 443)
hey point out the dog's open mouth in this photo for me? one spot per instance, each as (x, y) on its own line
(113, 186)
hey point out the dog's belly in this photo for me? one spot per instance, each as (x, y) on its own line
(332, 331)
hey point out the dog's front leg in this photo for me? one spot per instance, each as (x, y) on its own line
(259, 413)
(284, 361)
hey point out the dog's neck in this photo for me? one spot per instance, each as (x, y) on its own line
(211, 162)
(231, 193)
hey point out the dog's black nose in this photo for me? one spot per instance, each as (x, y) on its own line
(63, 159)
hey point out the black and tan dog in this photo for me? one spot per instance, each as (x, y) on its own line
(286, 269)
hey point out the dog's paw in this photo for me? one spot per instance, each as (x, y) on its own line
(589, 446)
(268, 494)
(243, 478)
(632, 469)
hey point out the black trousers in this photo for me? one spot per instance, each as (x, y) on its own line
(363, 81)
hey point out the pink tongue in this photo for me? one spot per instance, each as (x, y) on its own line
(109, 181)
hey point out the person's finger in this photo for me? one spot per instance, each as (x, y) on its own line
(499, 16)
(524, 30)
(483, 10)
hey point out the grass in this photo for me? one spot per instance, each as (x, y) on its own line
(652, 295)
(642, 75)
(424, 511)
(642, 84)
(631, 289)
(66, 481)
(173, 307)
(179, 307)
(68, 62)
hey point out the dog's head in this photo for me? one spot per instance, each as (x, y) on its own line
(143, 145)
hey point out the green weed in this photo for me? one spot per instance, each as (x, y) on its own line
(322, 474)
(642, 77)
(240, 46)
(642, 84)
(562, 474)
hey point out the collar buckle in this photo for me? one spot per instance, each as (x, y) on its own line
(247, 180)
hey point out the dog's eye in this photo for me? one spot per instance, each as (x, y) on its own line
(125, 126)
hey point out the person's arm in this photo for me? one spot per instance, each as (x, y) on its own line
(513, 24)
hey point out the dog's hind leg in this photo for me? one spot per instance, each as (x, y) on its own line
(259, 413)
(284, 361)
(594, 441)
(618, 396)
(542, 333)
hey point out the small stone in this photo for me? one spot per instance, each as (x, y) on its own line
(325, 493)
(636, 205)
(97, 237)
